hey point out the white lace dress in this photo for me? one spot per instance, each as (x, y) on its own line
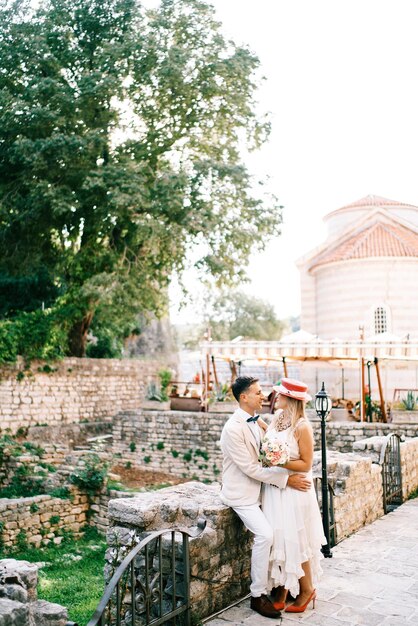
(297, 525)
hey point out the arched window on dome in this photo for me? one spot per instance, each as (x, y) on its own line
(380, 320)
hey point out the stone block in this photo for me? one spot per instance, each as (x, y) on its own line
(20, 572)
(13, 613)
(49, 614)
(14, 592)
(36, 540)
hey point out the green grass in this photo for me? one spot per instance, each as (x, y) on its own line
(72, 575)
(413, 494)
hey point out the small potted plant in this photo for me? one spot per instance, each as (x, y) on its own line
(156, 397)
(221, 400)
(405, 410)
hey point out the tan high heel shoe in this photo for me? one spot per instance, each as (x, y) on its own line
(300, 609)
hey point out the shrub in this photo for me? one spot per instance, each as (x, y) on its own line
(25, 482)
(54, 519)
(175, 453)
(160, 445)
(90, 477)
(21, 540)
(201, 453)
(33, 448)
(34, 508)
(8, 342)
(47, 369)
(147, 459)
(115, 485)
(105, 346)
(187, 457)
(60, 492)
(51, 468)
(132, 446)
(33, 335)
(165, 378)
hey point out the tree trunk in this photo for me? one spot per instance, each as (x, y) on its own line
(77, 338)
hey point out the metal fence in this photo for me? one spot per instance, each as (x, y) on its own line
(151, 586)
(390, 460)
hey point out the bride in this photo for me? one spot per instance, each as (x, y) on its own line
(294, 515)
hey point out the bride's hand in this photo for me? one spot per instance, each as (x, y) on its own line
(262, 424)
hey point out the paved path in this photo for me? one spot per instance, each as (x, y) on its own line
(372, 579)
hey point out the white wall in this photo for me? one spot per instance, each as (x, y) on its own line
(347, 292)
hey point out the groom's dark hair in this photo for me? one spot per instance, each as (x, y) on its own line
(241, 385)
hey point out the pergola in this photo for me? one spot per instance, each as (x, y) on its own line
(308, 348)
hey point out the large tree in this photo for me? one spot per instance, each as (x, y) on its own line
(236, 313)
(121, 131)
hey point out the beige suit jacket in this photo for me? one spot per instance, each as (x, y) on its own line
(243, 473)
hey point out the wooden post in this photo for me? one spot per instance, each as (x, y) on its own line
(363, 390)
(284, 366)
(379, 384)
(206, 405)
(215, 375)
(207, 373)
(233, 369)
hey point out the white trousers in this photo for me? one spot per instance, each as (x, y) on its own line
(254, 519)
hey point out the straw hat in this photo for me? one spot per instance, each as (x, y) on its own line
(292, 388)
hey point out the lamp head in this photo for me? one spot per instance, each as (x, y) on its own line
(323, 403)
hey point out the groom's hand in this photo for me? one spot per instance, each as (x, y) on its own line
(299, 482)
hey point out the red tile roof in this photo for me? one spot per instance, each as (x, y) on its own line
(375, 201)
(379, 239)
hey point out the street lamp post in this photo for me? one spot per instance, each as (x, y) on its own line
(369, 396)
(323, 406)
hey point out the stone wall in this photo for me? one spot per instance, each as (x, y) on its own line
(342, 435)
(99, 505)
(187, 444)
(409, 467)
(219, 557)
(358, 494)
(184, 443)
(51, 456)
(41, 519)
(71, 390)
(19, 605)
(69, 435)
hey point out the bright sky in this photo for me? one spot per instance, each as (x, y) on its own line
(342, 89)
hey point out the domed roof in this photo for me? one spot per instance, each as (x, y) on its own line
(376, 239)
(372, 202)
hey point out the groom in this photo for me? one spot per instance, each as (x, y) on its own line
(241, 483)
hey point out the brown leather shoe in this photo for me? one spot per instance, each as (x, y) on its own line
(278, 596)
(264, 606)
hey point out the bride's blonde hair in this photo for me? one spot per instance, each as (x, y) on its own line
(295, 409)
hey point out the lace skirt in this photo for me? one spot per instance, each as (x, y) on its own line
(298, 535)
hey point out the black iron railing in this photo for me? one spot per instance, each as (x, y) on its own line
(151, 586)
(331, 518)
(390, 460)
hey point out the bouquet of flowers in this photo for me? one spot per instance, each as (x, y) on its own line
(274, 451)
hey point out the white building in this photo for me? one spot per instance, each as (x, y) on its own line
(363, 280)
(359, 295)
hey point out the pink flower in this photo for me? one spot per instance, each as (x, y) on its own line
(274, 451)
